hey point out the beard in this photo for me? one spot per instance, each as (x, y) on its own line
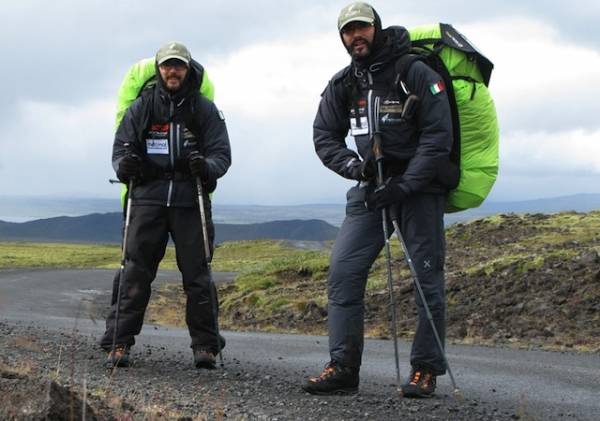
(173, 83)
(364, 48)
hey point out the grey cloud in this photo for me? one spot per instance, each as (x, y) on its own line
(555, 114)
(73, 51)
(509, 187)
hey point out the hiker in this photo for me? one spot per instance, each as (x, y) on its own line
(415, 151)
(140, 75)
(168, 137)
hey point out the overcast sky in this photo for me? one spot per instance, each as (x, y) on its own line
(63, 62)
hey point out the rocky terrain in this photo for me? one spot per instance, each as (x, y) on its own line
(49, 375)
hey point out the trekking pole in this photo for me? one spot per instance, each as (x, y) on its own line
(207, 254)
(388, 255)
(378, 152)
(122, 267)
(456, 391)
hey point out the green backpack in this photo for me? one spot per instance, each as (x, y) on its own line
(466, 73)
(140, 75)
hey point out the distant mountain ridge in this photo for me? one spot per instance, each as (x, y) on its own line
(106, 228)
(21, 209)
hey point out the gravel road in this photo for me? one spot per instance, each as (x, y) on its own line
(163, 382)
(262, 373)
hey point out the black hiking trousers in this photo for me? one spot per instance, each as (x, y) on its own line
(148, 236)
(358, 243)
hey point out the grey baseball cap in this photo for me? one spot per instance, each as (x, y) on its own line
(357, 11)
(173, 50)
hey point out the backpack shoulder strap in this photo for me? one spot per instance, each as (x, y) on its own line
(148, 85)
(402, 67)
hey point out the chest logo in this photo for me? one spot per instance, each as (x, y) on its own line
(157, 146)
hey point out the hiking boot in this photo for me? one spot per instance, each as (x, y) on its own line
(205, 355)
(421, 384)
(204, 358)
(334, 380)
(120, 357)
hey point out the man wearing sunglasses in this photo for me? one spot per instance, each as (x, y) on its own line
(168, 138)
(367, 98)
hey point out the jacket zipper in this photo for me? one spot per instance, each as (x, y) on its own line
(177, 131)
(172, 155)
(370, 116)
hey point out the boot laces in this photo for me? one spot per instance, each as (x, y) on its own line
(419, 376)
(120, 351)
(327, 372)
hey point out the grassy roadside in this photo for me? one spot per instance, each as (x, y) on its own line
(517, 280)
(229, 257)
(16, 254)
(277, 289)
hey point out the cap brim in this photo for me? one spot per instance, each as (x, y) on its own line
(357, 19)
(174, 56)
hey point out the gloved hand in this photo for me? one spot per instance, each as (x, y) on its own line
(129, 166)
(368, 167)
(197, 164)
(389, 193)
(363, 170)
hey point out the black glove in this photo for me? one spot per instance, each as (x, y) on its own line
(197, 164)
(129, 166)
(363, 170)
(368, 167)
(389, 193)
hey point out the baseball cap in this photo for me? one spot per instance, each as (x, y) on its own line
(357, 11)
(174, 50)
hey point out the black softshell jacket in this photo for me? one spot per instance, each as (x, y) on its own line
(413, 148)
(163, 130)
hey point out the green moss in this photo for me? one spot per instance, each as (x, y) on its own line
(245, 256)
(529, 264)
(253, 299)
(254, 281)
(278, 303)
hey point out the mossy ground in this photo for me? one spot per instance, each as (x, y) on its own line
(519, 280)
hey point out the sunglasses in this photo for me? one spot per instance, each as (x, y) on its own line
(353, 26)
(173, 63)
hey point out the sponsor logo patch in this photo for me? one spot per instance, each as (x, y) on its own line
(157, 146)
(159, 128)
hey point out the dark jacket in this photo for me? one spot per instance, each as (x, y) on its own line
(163, 129)
(413, 148)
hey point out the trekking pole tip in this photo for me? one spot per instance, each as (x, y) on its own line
(458, 395)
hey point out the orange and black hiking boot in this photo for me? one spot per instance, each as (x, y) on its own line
(204, 358)
(421, 384)
(120, 357)
(335, 379)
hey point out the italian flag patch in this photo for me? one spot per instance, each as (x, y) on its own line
(437, 87)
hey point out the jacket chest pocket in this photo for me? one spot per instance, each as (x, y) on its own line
(358, 116)
(390, 112)
(157, 140)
